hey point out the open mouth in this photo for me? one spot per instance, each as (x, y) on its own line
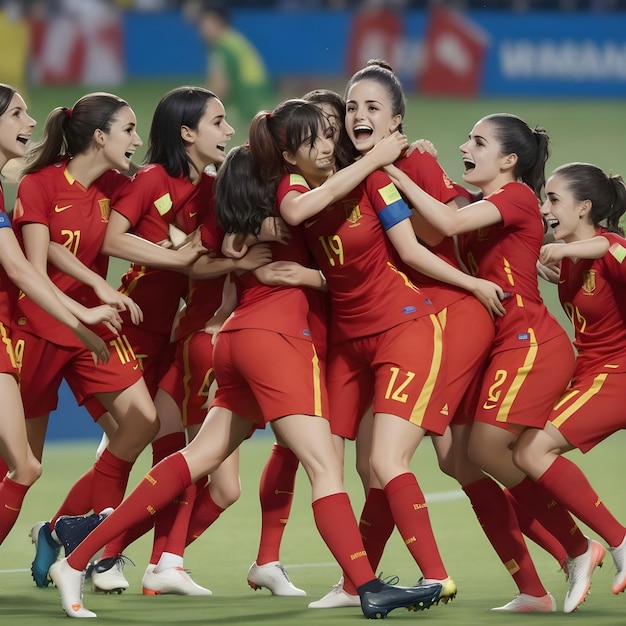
(23, 139)
(362, 132)
(221, 147)
(552, 223)
(129, 154)
(469, 165)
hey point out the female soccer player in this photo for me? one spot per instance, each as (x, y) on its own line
(583, 208)
(16, 127)
(367, 330)
(267, 321)
(172, 194)
(62, 210)
(531, 360)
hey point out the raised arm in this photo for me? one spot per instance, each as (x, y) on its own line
(448, 220)
(298, 207)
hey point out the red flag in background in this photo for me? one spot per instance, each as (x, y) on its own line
(454, 50)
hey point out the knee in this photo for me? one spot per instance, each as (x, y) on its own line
(225, 494)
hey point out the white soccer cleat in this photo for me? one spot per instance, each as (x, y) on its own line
(70, 582)
(619, 557)
(107, 575)
(579, 572)
(523, 603)
(336, 598)
(273, 576)
(173, 580)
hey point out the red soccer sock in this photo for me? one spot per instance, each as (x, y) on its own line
(110, 479)
(204, 512)
(11, 498)
(570, 487)
(336, 524)
(499, 523)
(536, 532)
(170, 533)
(118, 545)
(540, 503)
(166, 445)
(275, 495)
(157, 489)
(4, 468)
(78, 500)
(410, 514)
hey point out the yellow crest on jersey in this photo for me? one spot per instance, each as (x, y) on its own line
(353, 212)
(589, 282)
(105, 208)
(163, 204)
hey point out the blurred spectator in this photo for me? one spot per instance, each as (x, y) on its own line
(236, 72)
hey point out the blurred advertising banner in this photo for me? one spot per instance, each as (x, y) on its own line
(454, 54)
(77, 49)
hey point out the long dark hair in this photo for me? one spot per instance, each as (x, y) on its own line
(6, 95)
(345, 152)
(69, 132)
(529, 144)
(183, 106)
(606, 192)
(286, 128)
(242, 199)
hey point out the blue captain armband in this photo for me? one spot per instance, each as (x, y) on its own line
(396, 209)
(5, 222)
(394, 213)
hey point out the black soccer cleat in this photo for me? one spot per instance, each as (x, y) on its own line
(72, 529)
(377, 604)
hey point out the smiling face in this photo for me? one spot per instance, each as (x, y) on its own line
(315, 162)
(121, 142)
(485, 166)
(16, 128)
(206, 144)
(567, 218)
(369, 115)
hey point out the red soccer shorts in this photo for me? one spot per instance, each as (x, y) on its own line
(44, 365)
(263, 375)
(190, 376)
(402, 370)
(591, 409)
(520, 386)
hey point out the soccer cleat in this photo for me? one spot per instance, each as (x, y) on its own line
(448, 588)
(46, 553)
(273, 576)
(70, 583)
(377, 604)
(72, 529)
(336, 598)
(619, 557)
(107, 575)
(523, 603)
(172, 580)
(580, 570)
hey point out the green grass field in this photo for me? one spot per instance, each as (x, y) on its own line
(580, 130)
(221, 557)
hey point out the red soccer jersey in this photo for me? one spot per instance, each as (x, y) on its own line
(424, 170)
(152, 202)
(284, 310)
(506, 253)
(8, 291)
(77, 219)
(593, 295)
(205, 296)
(369, 293)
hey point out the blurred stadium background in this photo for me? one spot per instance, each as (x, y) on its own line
(560, 64)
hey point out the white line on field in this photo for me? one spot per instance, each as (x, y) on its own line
(437, 496)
